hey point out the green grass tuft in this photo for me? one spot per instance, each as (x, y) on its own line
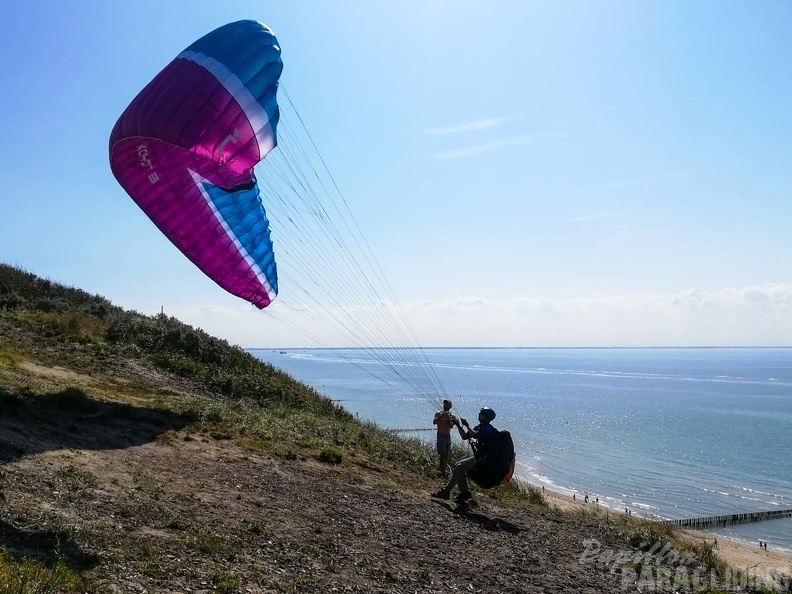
(224, 582)
(330, 455)
(519, 491)
(30, 577)
(7, 359)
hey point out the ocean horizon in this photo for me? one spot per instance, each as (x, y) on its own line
(665, 432)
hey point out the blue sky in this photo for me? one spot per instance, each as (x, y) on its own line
(528, 174)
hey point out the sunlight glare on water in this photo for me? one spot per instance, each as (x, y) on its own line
(667, 433)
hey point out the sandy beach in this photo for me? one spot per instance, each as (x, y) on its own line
(736, 553)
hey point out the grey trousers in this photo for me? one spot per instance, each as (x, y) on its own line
(459, 474)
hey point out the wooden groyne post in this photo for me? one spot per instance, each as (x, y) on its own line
(729, 519)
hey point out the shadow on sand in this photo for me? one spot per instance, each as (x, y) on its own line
(46, 547)
(32, 423)
(463, 511)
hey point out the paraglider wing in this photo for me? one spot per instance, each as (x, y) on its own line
(185, 149)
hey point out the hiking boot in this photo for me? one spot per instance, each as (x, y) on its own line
(441, 494)
(463, 496)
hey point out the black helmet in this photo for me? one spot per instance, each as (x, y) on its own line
(488, 413)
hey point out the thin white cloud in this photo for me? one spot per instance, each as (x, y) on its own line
(749, 315)
(768, 296)
(757, 315)
(620, 228)
(490, 146)
(473, 126)
(478, 149)
(609, 223)
(592, 218)
(639, 181)
(650, 232)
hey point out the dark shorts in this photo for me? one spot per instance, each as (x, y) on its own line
(443, 444)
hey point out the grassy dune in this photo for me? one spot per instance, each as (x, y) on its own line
(139, 453)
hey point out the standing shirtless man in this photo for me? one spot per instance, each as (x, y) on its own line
(445, 422)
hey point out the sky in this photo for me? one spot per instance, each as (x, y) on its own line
(565, 173)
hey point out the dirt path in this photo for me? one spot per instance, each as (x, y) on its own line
(140, 501)
(178, 516)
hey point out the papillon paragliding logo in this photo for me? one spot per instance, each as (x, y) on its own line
(185, 147)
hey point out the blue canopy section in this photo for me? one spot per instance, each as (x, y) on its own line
(242, 214)
(258, 67)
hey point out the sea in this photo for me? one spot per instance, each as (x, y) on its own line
(665, 433)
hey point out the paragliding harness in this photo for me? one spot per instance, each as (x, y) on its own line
(494, 460)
